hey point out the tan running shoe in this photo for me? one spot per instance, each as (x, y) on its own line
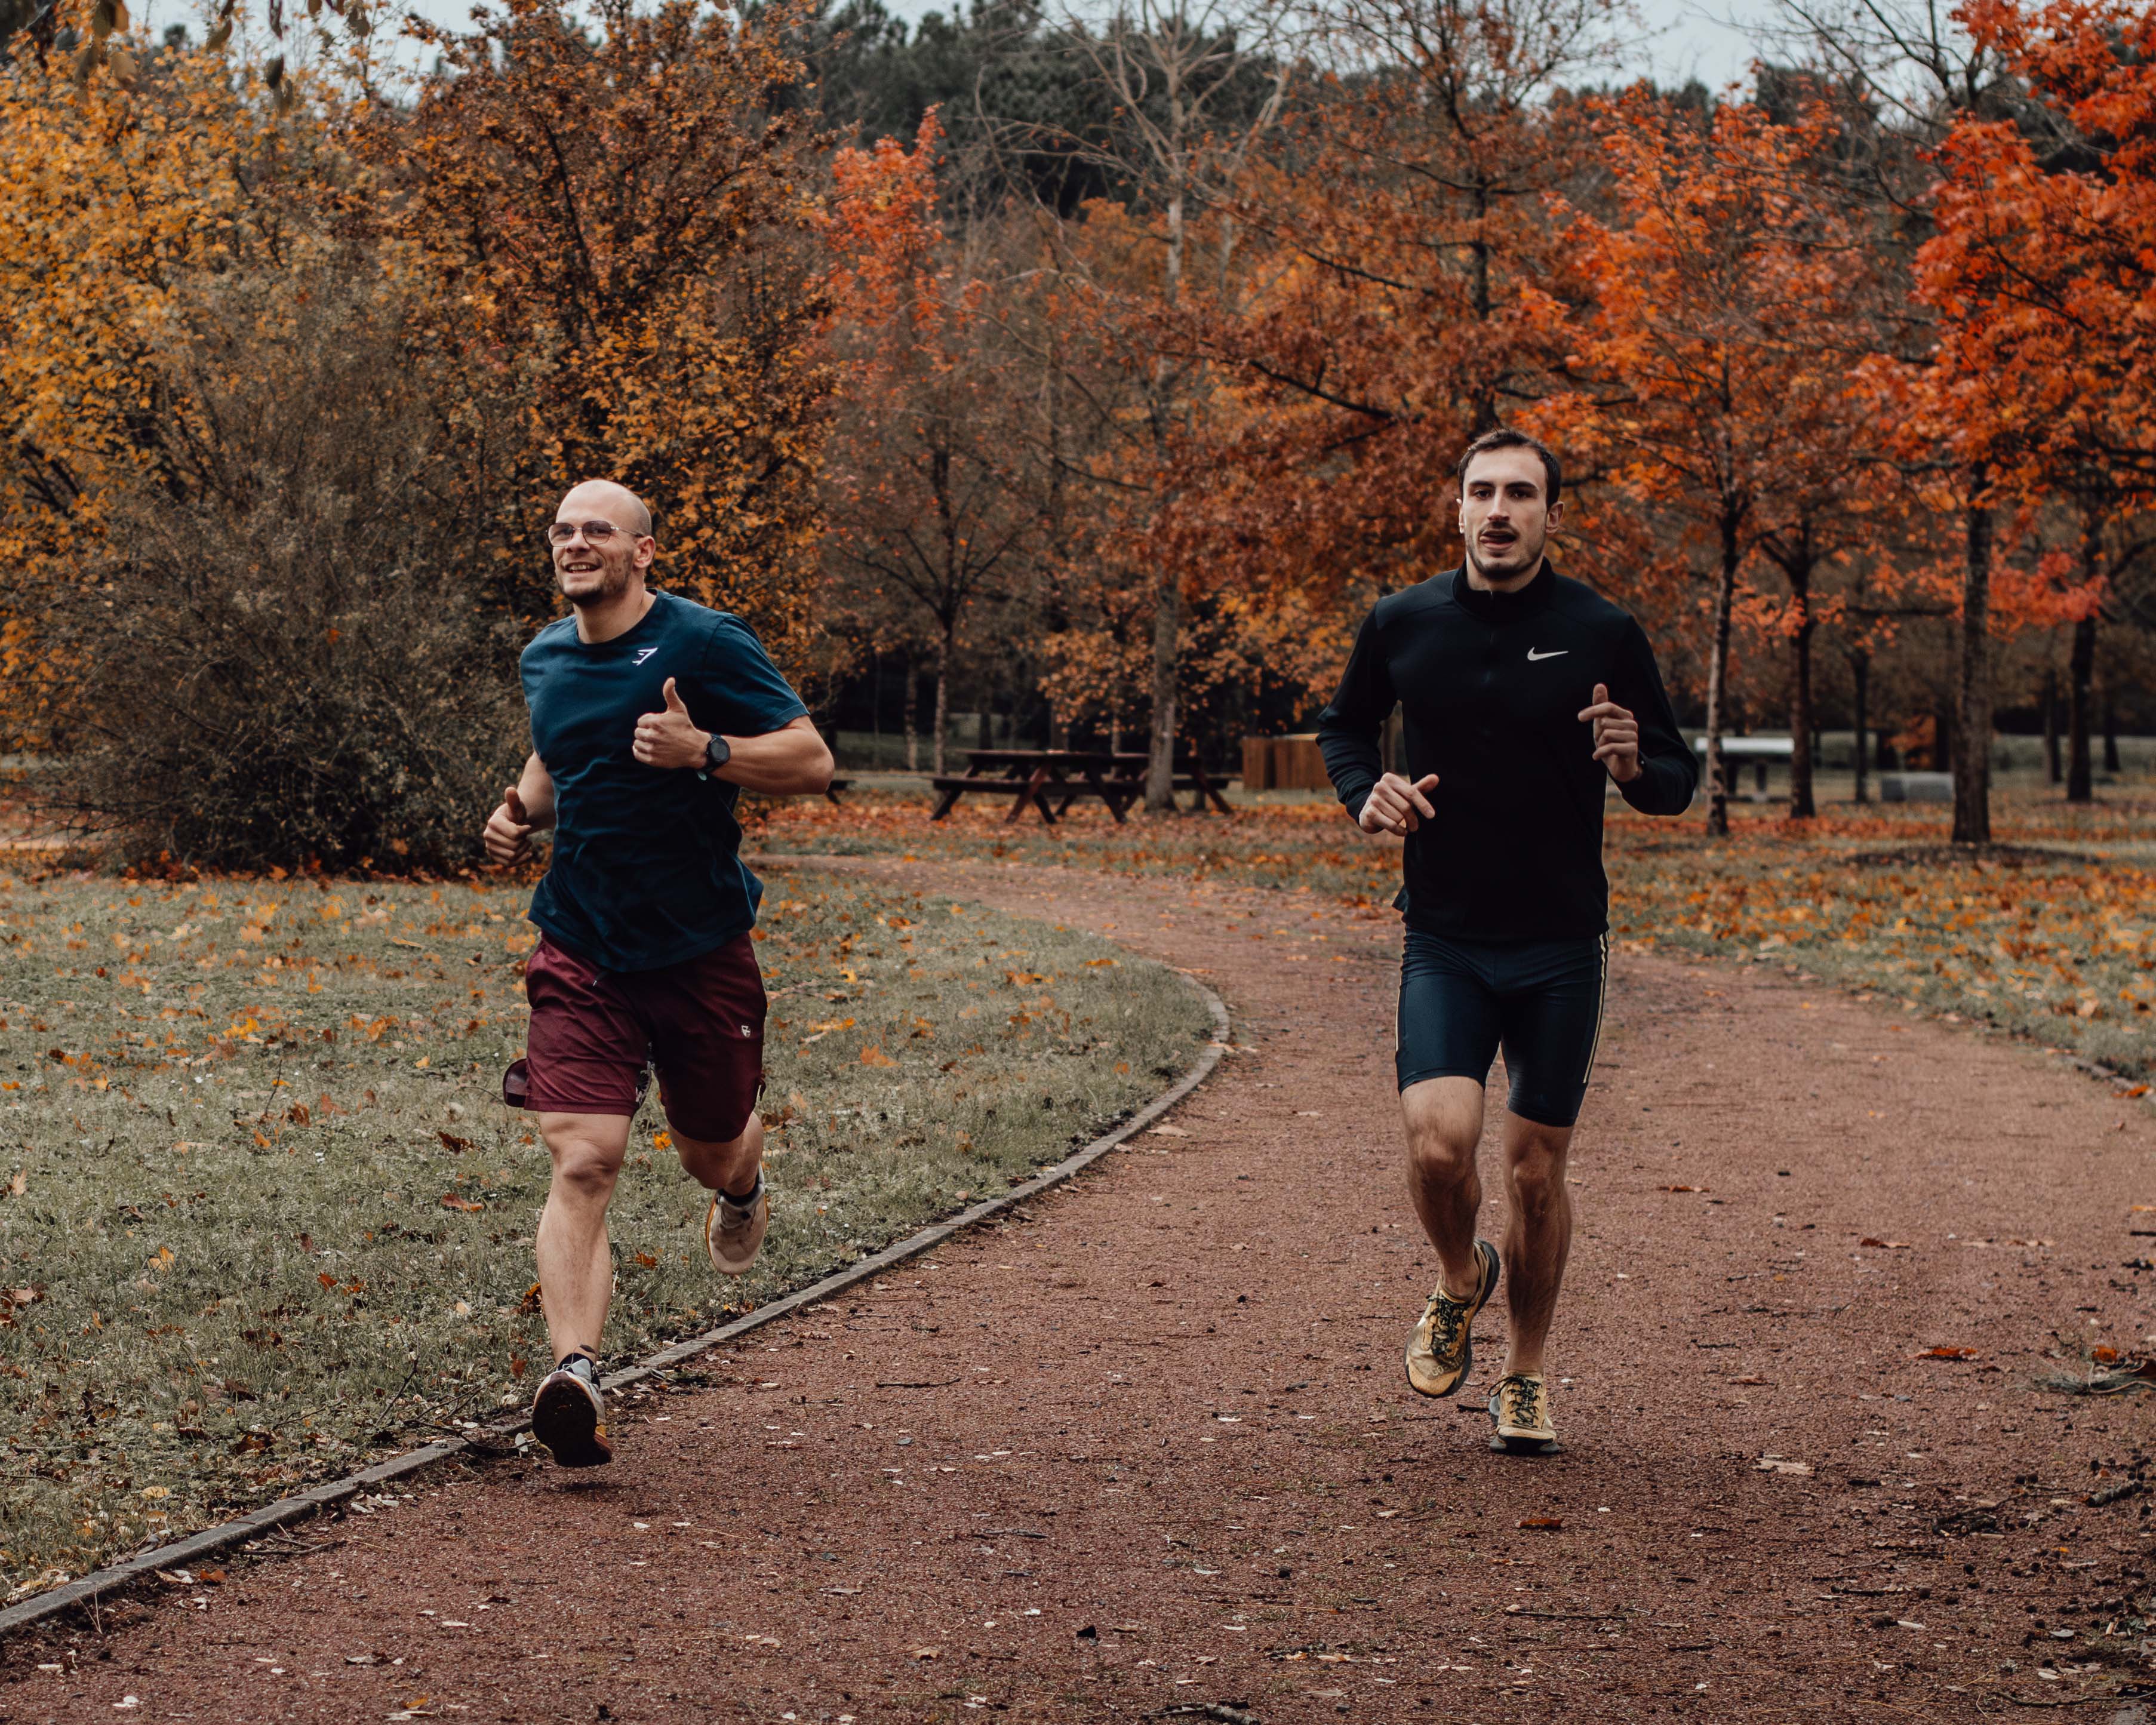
(734, 1231)
(1442, 1346)
(1520, 1409)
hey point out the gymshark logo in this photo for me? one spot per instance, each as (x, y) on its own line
(1532, 656)
(644, 652)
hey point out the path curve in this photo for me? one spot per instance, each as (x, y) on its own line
(1146, 1446)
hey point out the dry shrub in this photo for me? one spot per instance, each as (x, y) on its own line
(276, 654)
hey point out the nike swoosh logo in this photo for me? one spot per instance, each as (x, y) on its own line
(1532, 656)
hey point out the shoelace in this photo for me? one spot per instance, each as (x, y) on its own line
(1519, 1402)
(1448, 1318)
(733, 1215)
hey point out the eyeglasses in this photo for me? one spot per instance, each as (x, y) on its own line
(596, 534)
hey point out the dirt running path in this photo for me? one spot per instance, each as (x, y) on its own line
(1148, 1447)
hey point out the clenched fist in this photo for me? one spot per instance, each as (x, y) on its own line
(668, 738)
(1397, 807)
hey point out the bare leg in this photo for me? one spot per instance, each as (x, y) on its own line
(1444, 1118)
(1538, 1236)
(576, 1274)
(728, 1167)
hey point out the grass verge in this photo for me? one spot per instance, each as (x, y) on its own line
(263, 1218)
(2054, 939)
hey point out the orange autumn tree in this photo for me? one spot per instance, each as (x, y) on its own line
(928, 511)
(1405, 257)
(2042, 275)
(1728, 304)
(615, 217)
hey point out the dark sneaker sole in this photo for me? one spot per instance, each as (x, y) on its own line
(1495, 1267)
(564, 1420)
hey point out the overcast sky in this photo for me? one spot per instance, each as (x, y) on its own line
(1707, 40)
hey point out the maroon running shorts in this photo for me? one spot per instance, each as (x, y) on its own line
(700, 1022)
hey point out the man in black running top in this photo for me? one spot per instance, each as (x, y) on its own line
(1523, 695)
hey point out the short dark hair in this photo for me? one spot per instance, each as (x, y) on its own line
(1505, 437)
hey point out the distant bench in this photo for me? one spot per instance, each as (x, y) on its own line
(1761, 751)
(1062, 777)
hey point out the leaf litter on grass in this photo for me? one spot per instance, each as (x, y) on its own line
(262, 1215)
(2050, 934)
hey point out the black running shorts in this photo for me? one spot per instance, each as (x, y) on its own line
(1541, 999)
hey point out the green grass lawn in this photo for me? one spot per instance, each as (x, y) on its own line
(2057, 943)
(263, 1216)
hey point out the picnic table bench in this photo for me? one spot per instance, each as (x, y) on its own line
(1759, 751)
(1063, 776)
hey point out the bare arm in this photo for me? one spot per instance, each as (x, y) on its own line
(534, 789)
(790, 762)
(793, 762)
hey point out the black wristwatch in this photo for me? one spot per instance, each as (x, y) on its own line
(716, 753)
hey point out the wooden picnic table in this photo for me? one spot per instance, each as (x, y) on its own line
(1037, 776)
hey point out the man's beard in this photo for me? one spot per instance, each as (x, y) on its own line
(613, 581)
(1518, 547)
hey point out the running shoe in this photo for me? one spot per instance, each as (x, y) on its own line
(568, 1414)
(733, 1229)
(1442, 1346)
(1520, 1410)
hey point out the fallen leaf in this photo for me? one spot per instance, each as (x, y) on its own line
(1775, 1464)
(926, 1653)
(1169, 1131)
(874, 1056)
(451, 1201)
(1885, 1246)
(1546, 1524)
(1945, 1354)
(450, 1142)
(1683, 1188)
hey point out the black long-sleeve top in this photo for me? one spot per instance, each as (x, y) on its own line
(1490, 686)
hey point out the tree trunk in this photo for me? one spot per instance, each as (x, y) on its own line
(1166, 632)
(2050, 700)
(1717, 676)
(1859, 671)
(1802, 806)
(1972, 767)
(2080, 668)
(2110, 731)
(942, 695)
(911, 708)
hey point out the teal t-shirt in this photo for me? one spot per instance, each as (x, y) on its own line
(646, 868)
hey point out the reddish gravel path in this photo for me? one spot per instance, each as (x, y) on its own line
(1153, 1448)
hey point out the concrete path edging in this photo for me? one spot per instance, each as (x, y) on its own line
(102, 1583)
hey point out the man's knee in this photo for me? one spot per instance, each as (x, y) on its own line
(1534, 1171)
(587, 1163)
(1442, 1151)
(1443, 1121)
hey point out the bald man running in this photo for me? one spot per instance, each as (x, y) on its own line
(649, 715)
